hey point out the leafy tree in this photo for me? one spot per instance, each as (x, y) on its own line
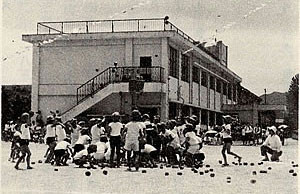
(293, 102)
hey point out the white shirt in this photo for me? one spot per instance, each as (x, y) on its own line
(226, 132)
(6, 127)
(17, 133)
(96, 132)
(63, 145)
(80, 154)
(148, 148)
(83, 139)
(101, 147)
(175, 142)
(50, 131)
(273, 142)
(193, 138)
(60, 132)
(25, 133)
(115, 128)
(133, 131)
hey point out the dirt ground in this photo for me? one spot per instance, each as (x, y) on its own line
(43, 178)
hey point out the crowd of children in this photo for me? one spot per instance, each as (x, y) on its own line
(141, 142)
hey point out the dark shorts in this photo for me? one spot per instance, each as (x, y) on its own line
(59, 153)
(24, 142)
(49, 140)
(115, 141)
(227, 140)
(154, 154)
(78, 147)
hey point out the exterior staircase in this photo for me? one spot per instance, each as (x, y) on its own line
(111, 80)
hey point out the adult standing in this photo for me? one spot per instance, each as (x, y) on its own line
(96, 131)
(60, 130)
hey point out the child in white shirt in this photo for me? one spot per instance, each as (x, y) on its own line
(62, 152)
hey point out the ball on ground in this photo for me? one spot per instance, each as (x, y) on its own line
(269, 168)
(166, 174)
(254, 173)
(211, 170)
(40, 161)
(179, 173)
(251, 164)
(195, 171)
(161, 167)
(105, 172)
(253, 181)
(263, 171)
(55, 169)
(32, 162)
(87, 173)
(144, 171)
(212, 175)
(207, 165)
(220, 161)
(291, 171)
(201, 173)
(228, 178)
(294, 174)
(206, 171)
(181, 167)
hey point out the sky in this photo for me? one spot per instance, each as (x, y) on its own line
(262, 35)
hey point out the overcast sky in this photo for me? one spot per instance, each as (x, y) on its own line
(262, 35)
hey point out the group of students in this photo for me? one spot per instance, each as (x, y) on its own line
(138, 143)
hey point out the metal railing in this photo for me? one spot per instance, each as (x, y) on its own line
(126, 25)
(118, 75)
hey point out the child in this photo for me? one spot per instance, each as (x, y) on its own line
(62, 152)
(101, 149)
(50, 139)
(82, 141)
(15, 146)
(149, 153)
(194, 144)
(24, 141)
(227, 140)
(84, 156)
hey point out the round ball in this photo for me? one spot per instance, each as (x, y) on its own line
(228, 181)
(212, 175)
(207, 165)
(201, 173)
(181, 167)
(179, 173)
(144, 171)
(206, 171)
(40, 161)
(32, 162)
(195, 171)
(166, 174)
(105, 172)
(87, 173)
(291, 171)
(269, 168)
(292, 162)
(294, 174)
(254, 173)
(161, 167)
(228, 177)
(253, 181)
(55, 169)
(220, 161)
(251, 164)
(211, 170)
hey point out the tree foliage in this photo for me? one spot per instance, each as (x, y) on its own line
(16, 99)
(293, 102)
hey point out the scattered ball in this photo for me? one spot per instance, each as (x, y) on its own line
(254, 173)
(32, 162)
(253, 181)
(206, 171)
(212, 175)
(292, 162)
(211, 170)
(207, 165)
(294, 174)
(161, 167)
(181, 167)
(263, 171)
(144, 171)
(270, 168)
(228, 181)
(220, 161)
(105, 172)
(245, 163)
(251, 164)
(195, 171)
(40, 161)
(201, 173)
(179, 173)
(291, 171)
(168, 165)
(55, 169)
(88, 173)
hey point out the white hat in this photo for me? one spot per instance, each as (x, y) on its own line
(273, 128)
(116, 114)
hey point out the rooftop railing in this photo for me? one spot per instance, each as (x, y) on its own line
(125, 25)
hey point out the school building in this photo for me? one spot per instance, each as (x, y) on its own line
(84, 68)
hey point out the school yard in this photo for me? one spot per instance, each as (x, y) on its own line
(43, 178)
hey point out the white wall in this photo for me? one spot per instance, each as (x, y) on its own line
(173, 88)
(203, 100)
(195, 93)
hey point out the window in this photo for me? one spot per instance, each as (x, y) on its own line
(212, 82)
(218, 85)
(234, 92)
(185, 68)
(145, 61)
(173, 60)
(204, 79)
(195, 74)
(224, 88)
(204, 117)
(229, 91)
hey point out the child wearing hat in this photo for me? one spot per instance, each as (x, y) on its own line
(271, 145)
(62, 152)
(85, 156)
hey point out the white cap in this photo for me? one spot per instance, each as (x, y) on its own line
(116, 114)
(273, 128)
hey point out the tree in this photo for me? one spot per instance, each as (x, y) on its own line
(293, 102)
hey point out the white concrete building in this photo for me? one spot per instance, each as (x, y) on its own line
(74, 72)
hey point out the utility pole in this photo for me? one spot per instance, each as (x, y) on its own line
(265, 96)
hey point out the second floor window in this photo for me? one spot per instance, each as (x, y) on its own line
(204, 79)
(173, 63)
(212, 82)
(195, 74)
(218, 87)
(185, 68)
(224, 88)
